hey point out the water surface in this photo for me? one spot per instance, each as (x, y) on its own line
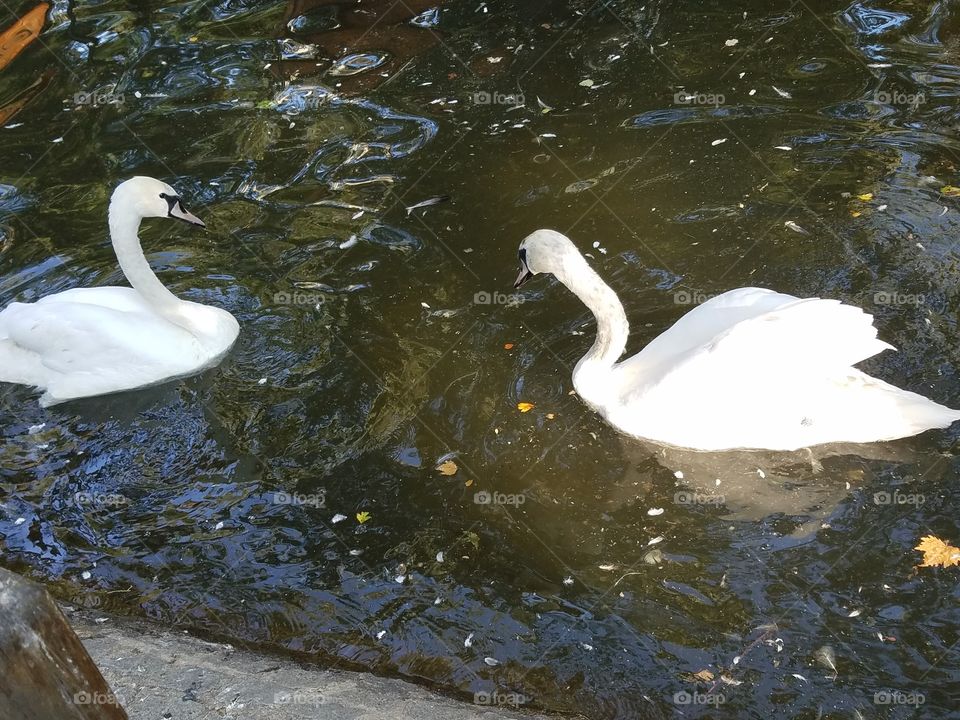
(689, 147)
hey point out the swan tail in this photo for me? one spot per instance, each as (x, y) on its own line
(17, 364)
(20, 366)
(888, 412)
(920, 413)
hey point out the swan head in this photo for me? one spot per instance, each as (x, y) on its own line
(545, 251)
(148, 197)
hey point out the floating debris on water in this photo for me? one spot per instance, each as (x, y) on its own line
(427, 203)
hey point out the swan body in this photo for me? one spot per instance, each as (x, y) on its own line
(93, 341)
(748, 369)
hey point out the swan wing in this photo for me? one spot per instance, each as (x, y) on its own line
(782, 380)
(125, 299)
(699, 326)
(74, 349)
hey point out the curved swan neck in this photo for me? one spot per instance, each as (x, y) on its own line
(124, 227)
(612, 326)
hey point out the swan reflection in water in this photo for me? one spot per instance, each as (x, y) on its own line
(809, 485)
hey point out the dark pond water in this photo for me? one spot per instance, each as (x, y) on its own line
(691, 147)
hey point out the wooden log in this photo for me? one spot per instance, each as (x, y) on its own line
(45, 672)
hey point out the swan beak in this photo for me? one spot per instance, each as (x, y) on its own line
(181, 213)
(523, 277)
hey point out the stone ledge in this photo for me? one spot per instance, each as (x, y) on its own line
(157, 673)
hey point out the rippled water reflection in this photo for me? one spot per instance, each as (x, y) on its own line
(809, 155)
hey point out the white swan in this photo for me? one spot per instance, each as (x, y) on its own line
(92, 341)
(751, 368)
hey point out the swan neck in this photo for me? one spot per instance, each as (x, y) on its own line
(124, 227)
(612, 326)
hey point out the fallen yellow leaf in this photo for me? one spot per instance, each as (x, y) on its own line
(866, 197)
(950, 190)
(856, 213)
(525, 406)
(704, 675)
(447, 467)
(550, 416)
(362, 517)
(468, 483)
(937, 553)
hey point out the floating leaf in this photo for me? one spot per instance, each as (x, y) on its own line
(937, 553)
(362, 517)
(525, 407)
(866, 197)
(508, 346)
(468, 483)
(950, 190)
(23, 32)
(704, 675)
(447, 467)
